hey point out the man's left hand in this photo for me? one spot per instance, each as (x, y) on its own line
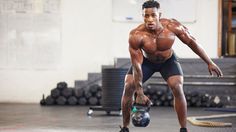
(214, 68)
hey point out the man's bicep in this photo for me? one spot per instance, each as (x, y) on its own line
(180, 31)
(136, 55)
(185, 37)
(135, 48)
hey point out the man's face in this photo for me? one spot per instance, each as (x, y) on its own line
(151, 18)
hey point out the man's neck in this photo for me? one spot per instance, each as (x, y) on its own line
(158, 29)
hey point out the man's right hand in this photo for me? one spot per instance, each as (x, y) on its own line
(142, 99)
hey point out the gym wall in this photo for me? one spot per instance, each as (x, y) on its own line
(89, 39)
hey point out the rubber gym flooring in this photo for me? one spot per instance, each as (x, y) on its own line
(35, 118)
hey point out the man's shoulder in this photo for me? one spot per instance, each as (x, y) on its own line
(165, 21)
(172, 25)
(138, 30)
(136, 36)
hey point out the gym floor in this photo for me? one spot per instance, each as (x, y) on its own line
(35, 118)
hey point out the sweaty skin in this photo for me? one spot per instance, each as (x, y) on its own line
(154, 40)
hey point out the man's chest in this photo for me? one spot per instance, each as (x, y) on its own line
(161, 43)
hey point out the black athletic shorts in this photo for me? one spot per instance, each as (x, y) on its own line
(167, 68)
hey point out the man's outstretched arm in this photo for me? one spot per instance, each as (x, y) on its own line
(183, 34)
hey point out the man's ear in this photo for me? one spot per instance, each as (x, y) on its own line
(159, 15)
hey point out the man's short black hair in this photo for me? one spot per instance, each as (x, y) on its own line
(151, 4)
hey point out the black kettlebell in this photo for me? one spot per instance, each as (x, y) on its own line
(140, 116)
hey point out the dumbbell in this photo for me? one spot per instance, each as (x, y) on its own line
(49, 100)
(94, 89)
(158, 102)
(99, 94)
(72, 100)
(67, 92)
(61, 85)
(43, 101)
(82, 101)
(93, 100)
(79, 92)
(55, 92)
(151, 90)
(61, 100)
(159, 92)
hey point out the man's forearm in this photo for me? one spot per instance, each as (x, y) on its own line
(200, 52)
(138, 77)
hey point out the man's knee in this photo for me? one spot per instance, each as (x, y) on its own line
(177, 90)
(176, 85)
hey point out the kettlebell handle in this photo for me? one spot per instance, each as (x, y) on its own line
(141, 106)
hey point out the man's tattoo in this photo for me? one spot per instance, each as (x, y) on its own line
(126, 110)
